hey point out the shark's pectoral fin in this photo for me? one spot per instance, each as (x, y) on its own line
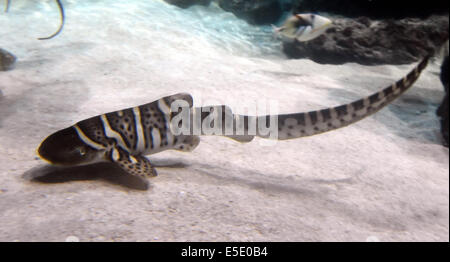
(133, 165)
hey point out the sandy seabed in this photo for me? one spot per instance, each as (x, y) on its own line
(384, 178)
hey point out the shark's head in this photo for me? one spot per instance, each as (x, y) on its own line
(65, 147)
(313, 26)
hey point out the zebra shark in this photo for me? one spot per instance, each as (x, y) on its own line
(124, 137)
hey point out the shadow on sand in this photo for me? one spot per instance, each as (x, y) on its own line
(108, 172)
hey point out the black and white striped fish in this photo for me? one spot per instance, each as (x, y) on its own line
(124, 137)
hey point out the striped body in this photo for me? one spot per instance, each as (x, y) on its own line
(124, 137)
(140, 130)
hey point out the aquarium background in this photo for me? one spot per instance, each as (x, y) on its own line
(384, 178)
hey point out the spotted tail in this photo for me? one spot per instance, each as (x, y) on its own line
(290, 126)
(315, 122)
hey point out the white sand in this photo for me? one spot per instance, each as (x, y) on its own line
(383, 178)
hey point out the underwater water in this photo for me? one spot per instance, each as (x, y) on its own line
(385, 177)
(169, 24)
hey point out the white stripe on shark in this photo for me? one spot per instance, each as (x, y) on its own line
(140, 143)
(156, 138)
(110, 133)
(87, 140)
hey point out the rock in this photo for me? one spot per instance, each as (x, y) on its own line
(254, 11)
(188, 3)
(443, 109)
(374, 8)
(372, 42)
(7, 60)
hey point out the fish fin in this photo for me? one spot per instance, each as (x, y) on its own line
(138, 166)
(276, 28)
(276, 31)
(187, 143)
(242, 139)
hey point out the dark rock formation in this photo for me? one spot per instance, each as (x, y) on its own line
(254, 11)
(374, 8)
(443, 109)
(188, 3)
(372, 42)
(7, 60)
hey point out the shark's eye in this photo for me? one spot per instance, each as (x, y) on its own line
(82, 151)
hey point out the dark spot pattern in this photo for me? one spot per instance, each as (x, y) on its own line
(93, 129)
(411, 76)
(326, 114)
(124, 125)
(388, 91)
(374, 98)
(341, 110)
(149, 123)
(141, 168)
(313, 117)
(374, 103)
(358, 105)
(186, 143)
(400, 84)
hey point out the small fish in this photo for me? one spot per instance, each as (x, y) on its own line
(302, 27)
(7, 60)
(124, 137)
